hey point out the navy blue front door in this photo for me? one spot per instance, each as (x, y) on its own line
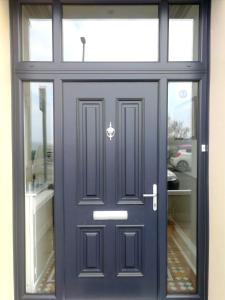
(110, 161)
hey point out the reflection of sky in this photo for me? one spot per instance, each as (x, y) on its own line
(40, 36)
(181, 39)
(111, 39)
(180, 102)
(36, 114)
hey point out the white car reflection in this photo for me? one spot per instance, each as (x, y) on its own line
(182, 161)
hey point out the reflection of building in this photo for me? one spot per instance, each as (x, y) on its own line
(39, 193)
(39, 237)
(42, 168)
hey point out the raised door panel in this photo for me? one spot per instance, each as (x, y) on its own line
(130, 135)
(90, 152)
(90, 257)
(129, 251)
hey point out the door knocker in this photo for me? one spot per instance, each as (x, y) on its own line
(110, 131)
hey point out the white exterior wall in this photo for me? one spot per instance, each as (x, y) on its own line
(217, 154)
(6, 227)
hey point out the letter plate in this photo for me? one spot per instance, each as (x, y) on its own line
(110, 215)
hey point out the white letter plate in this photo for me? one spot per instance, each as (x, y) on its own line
(110, 215)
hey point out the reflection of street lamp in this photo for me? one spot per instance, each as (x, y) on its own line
(42, 106)
(83, 41)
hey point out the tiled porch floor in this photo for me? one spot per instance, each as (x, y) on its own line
(181, 279)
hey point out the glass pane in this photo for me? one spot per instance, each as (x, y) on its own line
(184, 33)
(110, 33)
(39, 186)
(37, 32)
(182, 187)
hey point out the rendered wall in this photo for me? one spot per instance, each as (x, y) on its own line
(217, 153)
(6, 232)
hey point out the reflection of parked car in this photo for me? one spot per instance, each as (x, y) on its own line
(172, 181)
(182, 160)
(187, 147)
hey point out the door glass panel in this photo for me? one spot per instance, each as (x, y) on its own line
(39, 187)
(184, 33)
(36, 32)
(182, 187)
(110, 32)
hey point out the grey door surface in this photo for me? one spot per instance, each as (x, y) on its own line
(110, 259)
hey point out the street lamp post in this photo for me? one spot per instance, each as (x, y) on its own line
(83, 41)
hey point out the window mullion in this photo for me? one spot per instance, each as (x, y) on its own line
(57, 32)
(163, 32)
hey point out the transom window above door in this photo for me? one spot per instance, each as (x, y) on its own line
(111, 33)
(36, 32)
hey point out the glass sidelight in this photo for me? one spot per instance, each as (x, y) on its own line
(39, 187)
(182, 187)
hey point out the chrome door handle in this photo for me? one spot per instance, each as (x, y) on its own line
(154, 195)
